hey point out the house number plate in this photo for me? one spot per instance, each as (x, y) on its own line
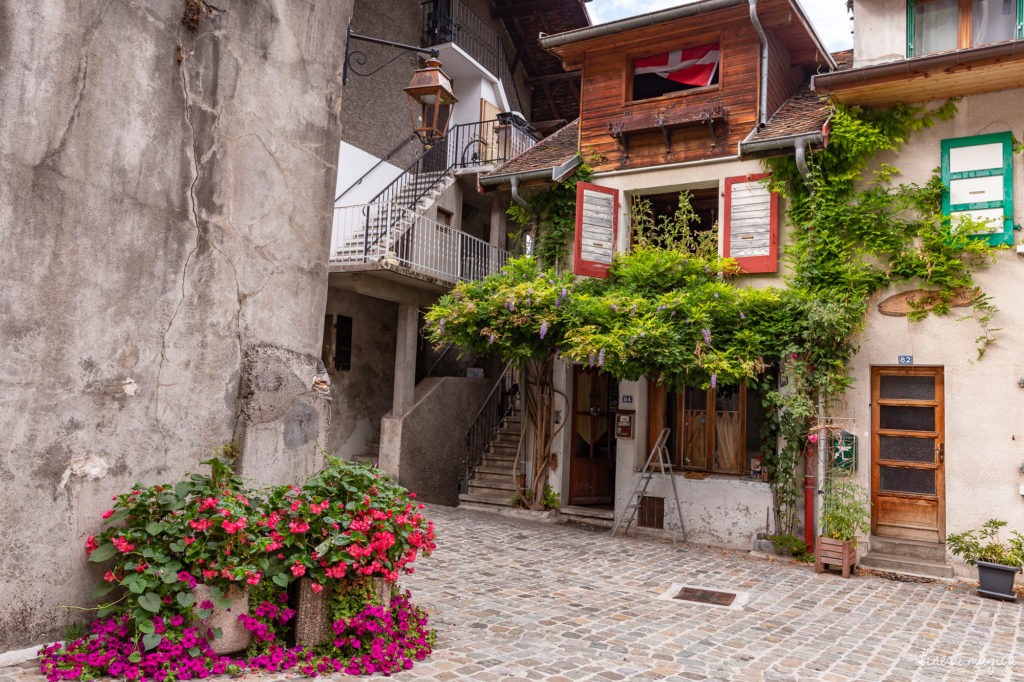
(905, 359)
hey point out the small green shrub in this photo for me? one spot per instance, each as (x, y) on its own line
(983, 544)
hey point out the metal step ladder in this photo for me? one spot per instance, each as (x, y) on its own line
(663, 467)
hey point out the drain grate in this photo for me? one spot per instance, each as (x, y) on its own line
(701, 596)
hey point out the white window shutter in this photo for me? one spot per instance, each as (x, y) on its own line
(597, 211)
(751, 231)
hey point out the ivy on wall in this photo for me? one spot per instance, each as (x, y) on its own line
(552, 214)
(672, 311)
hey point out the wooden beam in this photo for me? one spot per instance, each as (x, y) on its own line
(554, 77)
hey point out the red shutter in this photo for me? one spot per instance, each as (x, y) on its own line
(751, 232)
(597, 216)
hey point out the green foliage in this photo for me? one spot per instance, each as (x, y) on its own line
(553, 210)
(845, 509)
(792, 545)
(983, 544)
(675, 231)
(550, 500)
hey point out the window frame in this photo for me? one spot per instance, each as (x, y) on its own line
(704, 89)
(675, 452)
(752, 264)
(964, 26)
(1005, 138)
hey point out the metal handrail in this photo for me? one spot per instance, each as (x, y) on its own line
(488, 420)
(407, 239)
(398, 147)
(467, 145)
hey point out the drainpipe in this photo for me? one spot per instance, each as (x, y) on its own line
(762, 105)
(800, 146)
(516, 197)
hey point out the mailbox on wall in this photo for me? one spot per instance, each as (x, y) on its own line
(624, 425)
(844, 451)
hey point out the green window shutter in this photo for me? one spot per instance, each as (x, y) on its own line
(910, 28)
(977, 179)
(1020, 19)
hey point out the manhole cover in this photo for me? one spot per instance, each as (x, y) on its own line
(705, 596)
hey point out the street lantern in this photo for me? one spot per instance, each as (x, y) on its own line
(430, 102)
(430, 92)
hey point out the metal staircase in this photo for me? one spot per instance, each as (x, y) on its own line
(394, 212)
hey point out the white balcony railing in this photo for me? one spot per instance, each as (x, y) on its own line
(399, 238)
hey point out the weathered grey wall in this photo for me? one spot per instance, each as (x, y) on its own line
(431, 436)
(363, 394)
(375, 111)
(164, 210)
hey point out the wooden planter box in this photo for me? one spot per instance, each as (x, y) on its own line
(837, 553)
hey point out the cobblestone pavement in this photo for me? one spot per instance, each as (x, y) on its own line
(513, 598)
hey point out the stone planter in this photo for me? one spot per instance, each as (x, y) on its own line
(234, 637)
(836, 552)
(313, 613)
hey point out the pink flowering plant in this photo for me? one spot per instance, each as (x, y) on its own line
(159, 541)
(348, 521)
(344, 526)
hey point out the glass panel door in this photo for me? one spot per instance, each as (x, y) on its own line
(907, 453)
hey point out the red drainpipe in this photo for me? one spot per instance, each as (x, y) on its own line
(810, 526)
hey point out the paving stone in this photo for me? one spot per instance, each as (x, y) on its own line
(571, 604)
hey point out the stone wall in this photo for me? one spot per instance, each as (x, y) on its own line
(165, 211)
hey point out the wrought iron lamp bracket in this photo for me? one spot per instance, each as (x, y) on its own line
(358, 58)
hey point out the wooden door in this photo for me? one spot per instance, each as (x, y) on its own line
(592, 465)
(908, 453)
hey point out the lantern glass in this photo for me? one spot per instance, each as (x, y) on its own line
(430, 102)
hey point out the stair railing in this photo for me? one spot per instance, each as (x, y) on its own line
(489, 418)
(467, 145)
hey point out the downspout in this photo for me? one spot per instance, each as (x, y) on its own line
(800, 146)
(762, 105)
(516, 197)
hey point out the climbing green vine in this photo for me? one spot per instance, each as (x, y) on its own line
(670, 310)
(552, 212)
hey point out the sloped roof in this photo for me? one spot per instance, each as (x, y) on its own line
(554, 94)
(804, 113)
(551, 152)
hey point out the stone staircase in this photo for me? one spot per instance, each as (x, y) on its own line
(413, 199)
(911, 557)
(493, 485)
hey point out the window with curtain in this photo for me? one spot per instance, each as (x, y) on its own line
(717, 430)
(943, 25)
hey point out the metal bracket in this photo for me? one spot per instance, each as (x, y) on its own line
(358, 57)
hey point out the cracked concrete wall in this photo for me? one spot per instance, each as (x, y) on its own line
(164, 206)
(362, 395)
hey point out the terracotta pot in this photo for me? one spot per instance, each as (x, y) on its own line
(234, 637)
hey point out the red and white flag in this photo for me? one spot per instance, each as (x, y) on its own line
(692, 66)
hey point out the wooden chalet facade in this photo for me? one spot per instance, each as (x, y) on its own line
(688, 98)
(626, 129)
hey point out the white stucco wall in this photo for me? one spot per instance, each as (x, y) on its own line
(983, 402)
(352, 163)
(879, 31)
(721, 510)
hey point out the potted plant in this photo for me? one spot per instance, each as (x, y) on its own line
(998, 561)
(845, 514)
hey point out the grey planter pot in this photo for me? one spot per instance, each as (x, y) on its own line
(996, 580)
(234, 637)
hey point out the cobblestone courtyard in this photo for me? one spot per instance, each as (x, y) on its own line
(512, 598)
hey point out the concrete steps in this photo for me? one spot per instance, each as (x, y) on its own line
(591, 516)
(493, 485)
(910, 557)
(433, 183)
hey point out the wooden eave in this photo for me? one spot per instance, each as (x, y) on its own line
(780, 17)
(989, 68)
